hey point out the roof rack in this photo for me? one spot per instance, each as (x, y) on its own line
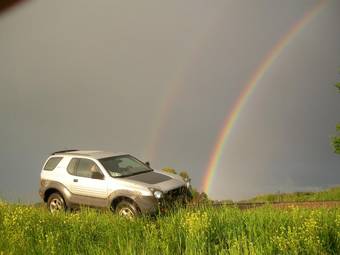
(63, 151)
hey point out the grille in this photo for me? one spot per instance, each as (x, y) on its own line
(176, 194)
(174, 198)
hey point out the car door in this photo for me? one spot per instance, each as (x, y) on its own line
(88, 184)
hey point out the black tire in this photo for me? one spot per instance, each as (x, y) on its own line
(127, 209)
(56, 203)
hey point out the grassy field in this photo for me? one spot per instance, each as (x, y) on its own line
(29, 230)
(332, 194)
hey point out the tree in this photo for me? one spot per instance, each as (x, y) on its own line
(204, 197)
(169, 170)
(184, 175)
(336, 138)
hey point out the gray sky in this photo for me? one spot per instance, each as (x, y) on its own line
(97, 75)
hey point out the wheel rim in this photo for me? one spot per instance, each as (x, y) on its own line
(56, 205)
(126, 212)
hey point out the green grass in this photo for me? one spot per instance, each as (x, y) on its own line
(29, 230)
(332, 194)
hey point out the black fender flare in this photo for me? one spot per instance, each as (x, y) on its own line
(123, 193)
(144, 203)
(57, 186)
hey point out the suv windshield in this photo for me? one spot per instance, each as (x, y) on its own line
(121, 166)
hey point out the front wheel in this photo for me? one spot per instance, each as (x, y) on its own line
(56, 203)
(127, 209)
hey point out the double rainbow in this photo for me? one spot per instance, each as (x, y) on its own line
(231, 119)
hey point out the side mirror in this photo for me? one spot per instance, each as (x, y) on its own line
(147, 163)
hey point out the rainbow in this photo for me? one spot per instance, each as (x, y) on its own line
(231, 119)
(160, 121)
(171, 94)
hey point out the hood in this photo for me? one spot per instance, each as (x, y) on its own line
(149, 177)
(156, 180)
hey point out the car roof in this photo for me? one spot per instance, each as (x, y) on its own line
(97, 154)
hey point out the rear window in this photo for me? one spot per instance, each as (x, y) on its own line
(52, 163)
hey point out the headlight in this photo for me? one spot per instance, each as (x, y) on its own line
(158, 194)
(187, 182)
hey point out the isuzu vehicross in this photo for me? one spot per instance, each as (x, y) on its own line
(102, 179)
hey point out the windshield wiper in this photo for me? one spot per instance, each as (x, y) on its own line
(141, 172)
(146, 171)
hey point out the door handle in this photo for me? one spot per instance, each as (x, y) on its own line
(75, 180)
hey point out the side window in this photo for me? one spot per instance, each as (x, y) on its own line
(84, 168)
(71, 168)
(52, 163)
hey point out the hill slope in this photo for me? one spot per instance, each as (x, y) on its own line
(332, 194)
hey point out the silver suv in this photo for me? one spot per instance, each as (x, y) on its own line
(103, 179)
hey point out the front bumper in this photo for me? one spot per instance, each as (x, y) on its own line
(147, 204)
(171, 199)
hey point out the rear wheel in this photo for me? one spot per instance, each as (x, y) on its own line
(56, 203)
(127, 209)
